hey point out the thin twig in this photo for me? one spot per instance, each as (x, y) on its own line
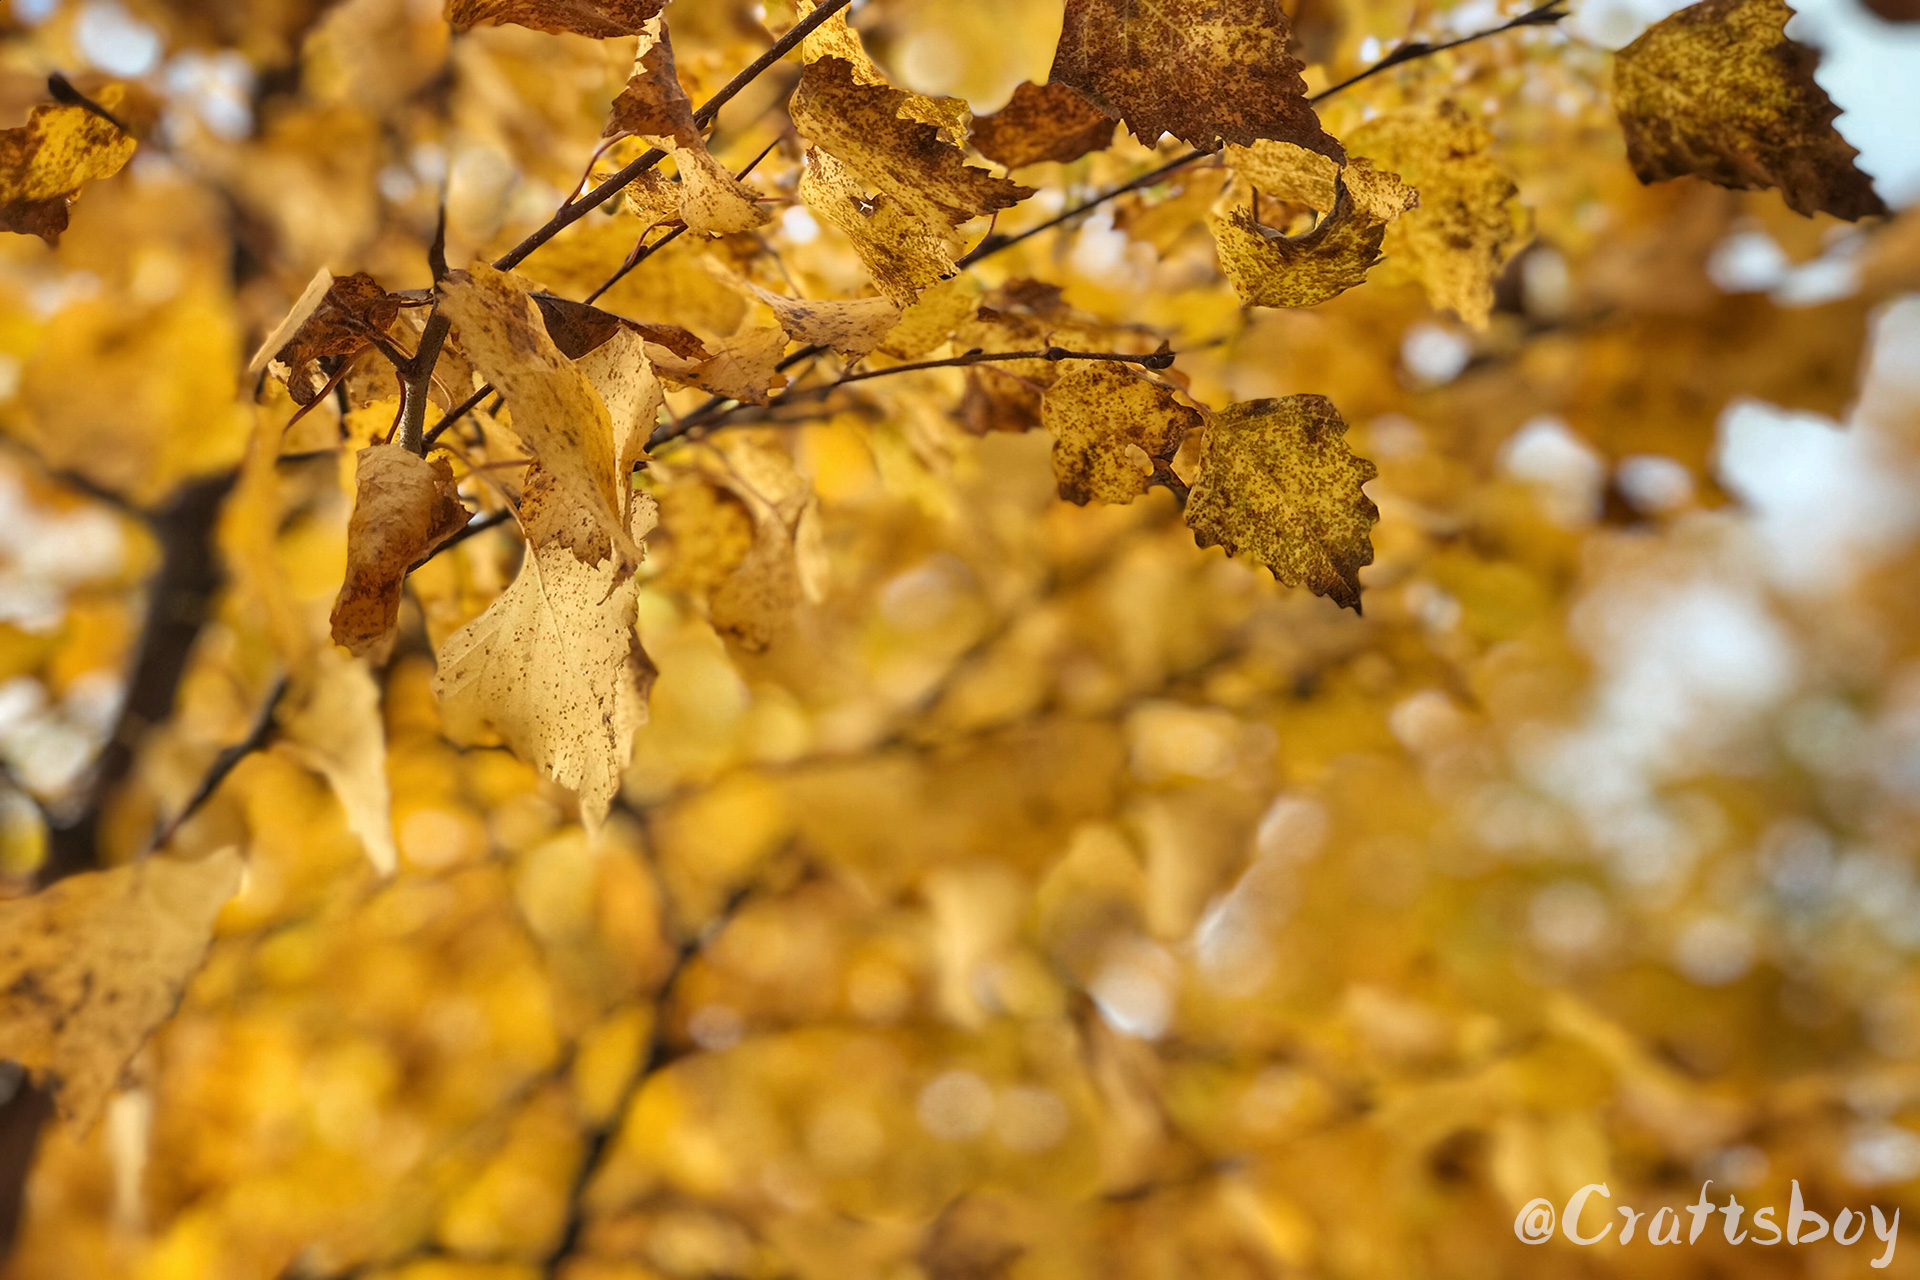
(416, 377)
(223, 764)
(456, 413)
(574, 210)
(479, 524)
(63, 90)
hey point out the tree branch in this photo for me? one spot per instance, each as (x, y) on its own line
(574, 210)
(223, 764)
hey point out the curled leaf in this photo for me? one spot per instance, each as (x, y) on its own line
(1719, 91)
(1284, 171)
(404, 506)
(1278, 485)
(902, 253)
(1098, 416)
(1268, 269)
(90, 966)
(329, 320)
(45, 162)
(1205, 71)
(1042, 122)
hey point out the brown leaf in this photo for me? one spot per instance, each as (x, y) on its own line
(1278, 484)
(601, 19)
(1268, 269)
(45, 161)
(907, 159)
(556, 668)
(1041, 123)
(1717, 90)
(1206, 71)
(329, 320)
(89, 967)
(1098, 417)
(404, 507)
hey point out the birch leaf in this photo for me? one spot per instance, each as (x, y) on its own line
(1719, 91)
(404, 506)
(601, 19)
(1268, 269)
(1098, 417)
(45, 162)
(330, 722)
(901, 252)
(1278, 485)
(742, 367)
(90, 966)
(786, 565)
(1042, 122)
(851, 326)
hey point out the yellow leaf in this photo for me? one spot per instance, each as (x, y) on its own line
(44, 162)
(1470, 220)
(91, 965)
(330, 722)
(1278, 484)
(786, 564)
(1268, 269)
(1205, 71)
(1098, 416)
(851, 326)
(404, 507)
(329, 320)
(1288, 172)
(904, 255)
(1718, 91)
(742, 367)
(1042, 122)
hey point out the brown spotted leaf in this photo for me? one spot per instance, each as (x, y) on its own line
(1470, 220)
(45, 162)
(1205, 71)
(743, 367)
(90, 966)
(1268, 269)
(555, 409)
(863, 126)
(1278, 485)
(1042, 122)
(901, 252)
(851, 326)
(1718, 91)
(601, 19)
(555, 667)
(1283, 171)
(404, 507)
(1103, 419)
(329, 320)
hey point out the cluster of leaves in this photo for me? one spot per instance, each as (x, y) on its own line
(654, 413)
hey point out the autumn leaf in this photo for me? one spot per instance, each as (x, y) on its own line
(1719, 91)
(601, 19)
(743, 367)
(1278, 485)
(836, 38)
(1099, 416)
(330, 722)
(862, 126)
(1285, 171)
(903, 255)
(851, 326)
(1269, 269)
(555, 667)
(1206, 71)
(331, 318)
(1469, 221)
(404, 506)
(654, 108)
(754, 605)
(90, 966)
(1050, 122)
(45, 162)
(555, 408)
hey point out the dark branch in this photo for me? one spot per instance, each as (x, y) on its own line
(224, 764)
(574, 210)
(63, 91)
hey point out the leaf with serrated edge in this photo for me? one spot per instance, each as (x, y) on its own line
(1268, 269)
(1278, 485)
(1098, 416)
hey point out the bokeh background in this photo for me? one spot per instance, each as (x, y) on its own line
(1058, 900)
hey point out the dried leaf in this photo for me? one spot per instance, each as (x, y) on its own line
(755, 605)
(330, 722)
(555, 408)
(330, 319)
(601, 19)
(45, 161)
(901, 252)
(404, 506)
(1206, 71)
(836, 38)
(851, 326)
(556, 668)
(1098, 416)
(90, 966)
(1287, 172)
(1470, 220)
(1268, 269)
(741, 368)
(907, 159)
(1278, 484)
(1717, 90)
(1050, 122)
(625, 381)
